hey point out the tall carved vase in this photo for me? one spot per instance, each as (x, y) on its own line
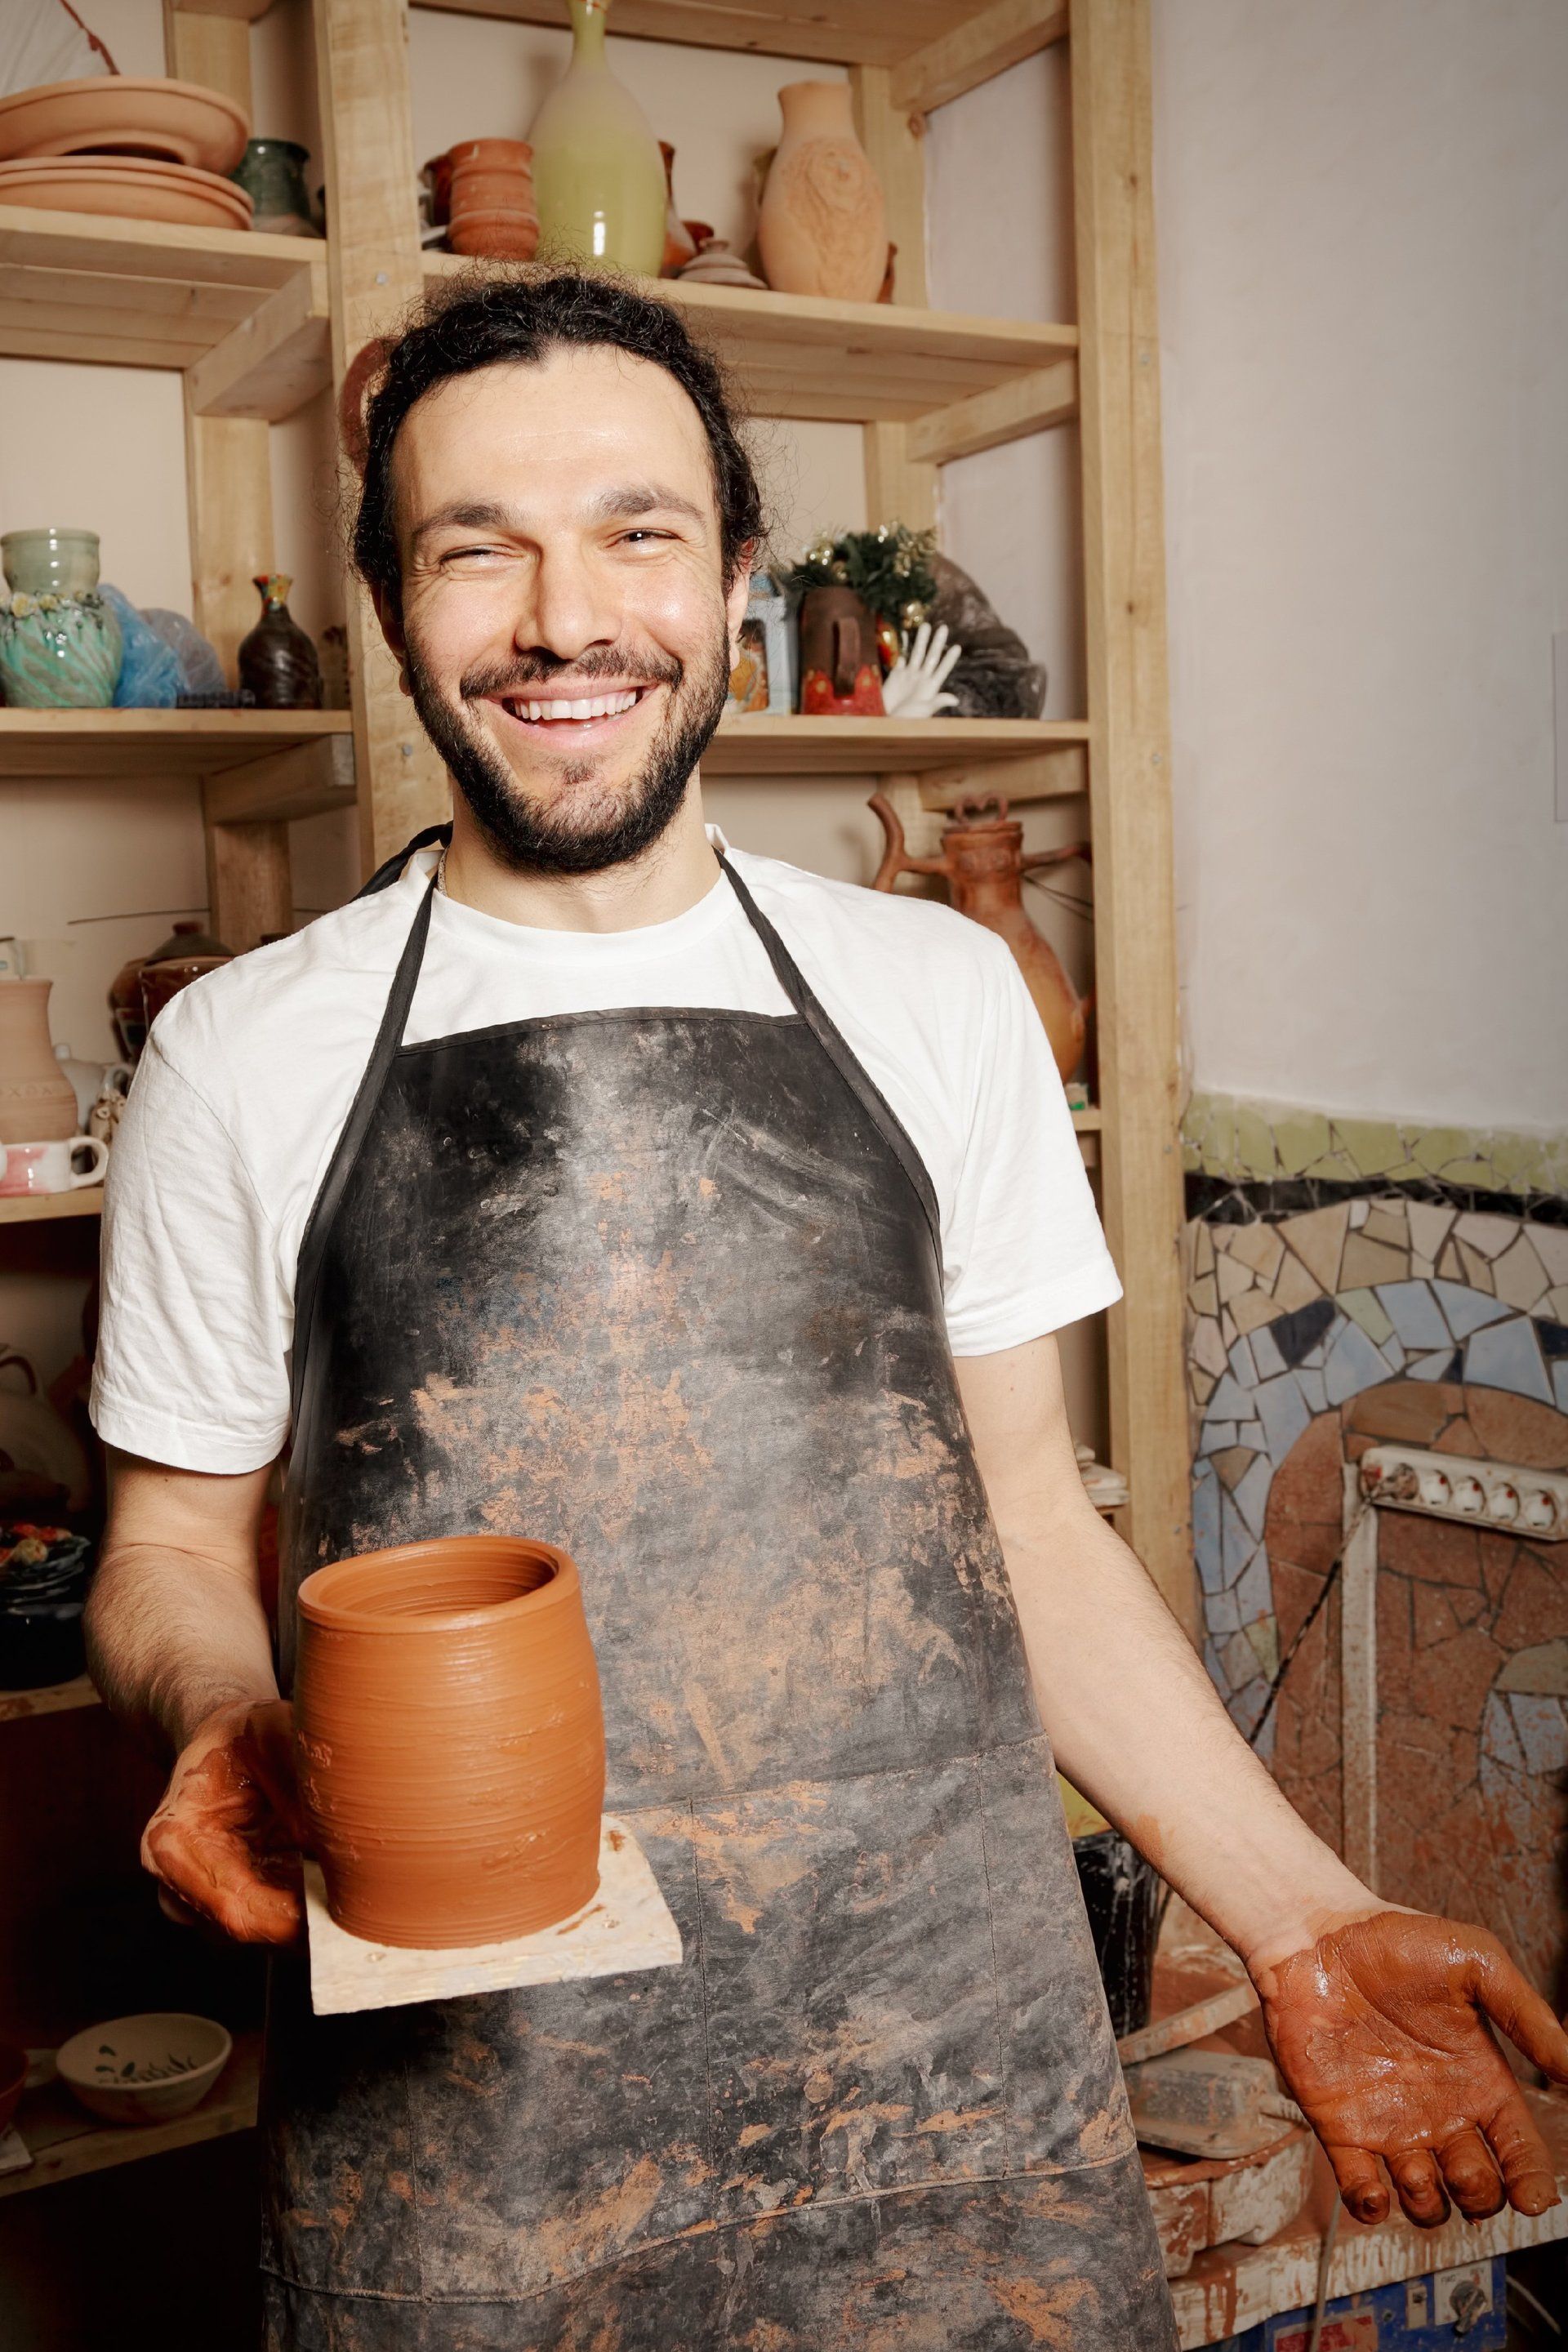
(37, 1101)
(983, 863)
(598, 176)
(823, 229)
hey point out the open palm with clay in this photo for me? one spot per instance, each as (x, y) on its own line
(1383, 2031)
(224, 1842)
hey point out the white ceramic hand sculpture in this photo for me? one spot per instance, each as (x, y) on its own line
(913, 687)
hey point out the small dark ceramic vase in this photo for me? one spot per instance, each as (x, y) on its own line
(276, 661)
(840, 670)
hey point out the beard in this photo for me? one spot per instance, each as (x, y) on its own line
(602, 828)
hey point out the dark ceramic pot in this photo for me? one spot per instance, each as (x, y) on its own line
(276, 661)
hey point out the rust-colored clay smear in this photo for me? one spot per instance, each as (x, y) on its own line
(450, 1740)
(1383, 2033)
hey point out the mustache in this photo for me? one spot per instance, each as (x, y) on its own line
(496, 678)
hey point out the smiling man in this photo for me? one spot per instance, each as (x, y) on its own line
(585, 1181)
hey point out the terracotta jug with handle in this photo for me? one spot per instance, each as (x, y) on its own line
(983, 863)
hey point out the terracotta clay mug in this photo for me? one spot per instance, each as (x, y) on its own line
(450, 1740)
(492, 210)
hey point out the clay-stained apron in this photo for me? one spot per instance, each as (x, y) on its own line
(663, 1287)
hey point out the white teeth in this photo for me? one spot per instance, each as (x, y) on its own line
(602, 706)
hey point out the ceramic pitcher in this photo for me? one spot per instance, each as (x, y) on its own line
(823, 227)
(983, 863)
(598, 176)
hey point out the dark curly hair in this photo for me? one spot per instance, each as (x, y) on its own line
(485, 322)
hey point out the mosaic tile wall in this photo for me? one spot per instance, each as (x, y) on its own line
(1348, 1280)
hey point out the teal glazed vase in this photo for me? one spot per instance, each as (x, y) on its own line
(60, 642)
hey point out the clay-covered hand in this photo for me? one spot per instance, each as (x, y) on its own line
(1384, 2032)
(226, 1840)
(913, 687)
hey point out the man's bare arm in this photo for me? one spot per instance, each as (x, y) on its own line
(1385, 2023)
(175, 1626)
(1135, 1721)
(179, 1645)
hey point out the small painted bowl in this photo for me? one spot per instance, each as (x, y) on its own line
(13, 2075)
(144, 2069)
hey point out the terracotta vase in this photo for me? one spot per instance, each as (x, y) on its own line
(450, 1740)
(840, 670)
(491, 208)
(37, 1101)
(597, 172)
(823, 226)
(679, 245)
(276, 661)
(983, 863)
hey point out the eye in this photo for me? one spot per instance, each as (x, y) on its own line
(473, 555)
(642, 535)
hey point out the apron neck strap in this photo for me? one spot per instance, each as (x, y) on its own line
(384, 1052)
(839, 1052)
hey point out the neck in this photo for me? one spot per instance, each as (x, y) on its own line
(670, 877)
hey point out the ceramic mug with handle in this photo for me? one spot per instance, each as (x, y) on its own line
(32, 1169)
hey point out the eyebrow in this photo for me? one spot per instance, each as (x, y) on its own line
(619, 504)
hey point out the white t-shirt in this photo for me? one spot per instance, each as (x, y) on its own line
(248, 1075)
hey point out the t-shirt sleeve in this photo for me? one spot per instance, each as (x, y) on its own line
(193, 1353)
(1023, 1248)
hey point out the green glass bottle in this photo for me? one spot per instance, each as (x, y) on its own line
(598, 176)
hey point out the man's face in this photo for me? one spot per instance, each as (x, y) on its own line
(564, 625)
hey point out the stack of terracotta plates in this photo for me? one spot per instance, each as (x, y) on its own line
(137, 150)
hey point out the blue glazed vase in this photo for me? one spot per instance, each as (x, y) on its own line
(60, 642)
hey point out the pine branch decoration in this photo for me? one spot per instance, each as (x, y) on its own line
(889, 568)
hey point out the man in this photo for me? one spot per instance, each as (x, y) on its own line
(591, 1181)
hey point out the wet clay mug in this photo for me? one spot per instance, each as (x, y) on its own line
(450, 1740)
(37, 1168)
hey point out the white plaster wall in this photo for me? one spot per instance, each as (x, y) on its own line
(1363, 221)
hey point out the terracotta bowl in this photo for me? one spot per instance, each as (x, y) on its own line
(144, 2069)
(111, 114)
(127, 187)
(450, 1740)
(12, 2079)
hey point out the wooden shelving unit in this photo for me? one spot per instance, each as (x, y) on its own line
(48, 1208)
(54, 1699)
(258, 324)
(245, 316)
(66, 2142)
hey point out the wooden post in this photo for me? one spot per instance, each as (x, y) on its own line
(228, 479)
(1129, 771)
(899, 487)
(367, 135)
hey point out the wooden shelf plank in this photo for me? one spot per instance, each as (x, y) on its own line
(54, 1699)
(43, 1208)
(141, 745)
(850, 363)
(761, 746)
(130, 293)
(851, 31)
(67, 2142)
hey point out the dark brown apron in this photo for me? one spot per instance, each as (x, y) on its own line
(665, 1287)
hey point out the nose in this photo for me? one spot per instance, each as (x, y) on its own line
(568, 608)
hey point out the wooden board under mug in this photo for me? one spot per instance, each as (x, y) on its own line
(627, 1925)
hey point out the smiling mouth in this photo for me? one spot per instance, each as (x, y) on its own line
(563, 715)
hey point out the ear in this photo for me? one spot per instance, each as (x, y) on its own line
(390, 616)
(737, 595)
